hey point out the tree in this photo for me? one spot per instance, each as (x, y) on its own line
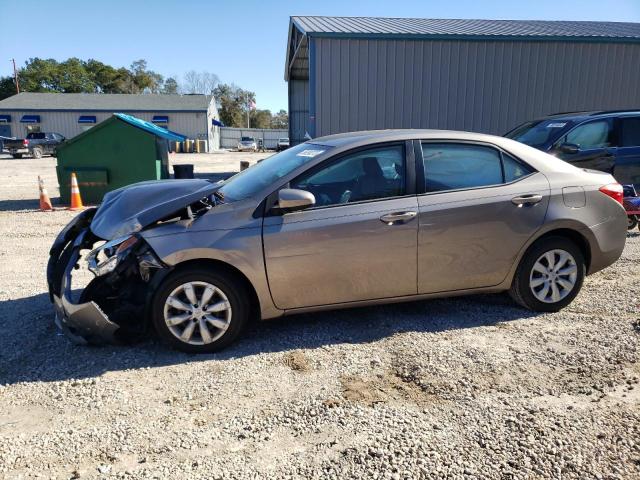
(200, 82)
(7, 87)
(170, 86)
(233, 104)
(143, 80)
(260, 119)
(280, 120)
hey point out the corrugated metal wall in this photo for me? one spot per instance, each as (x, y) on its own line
(229, 137)
(192, 124)
(484, 86)
(298, 109)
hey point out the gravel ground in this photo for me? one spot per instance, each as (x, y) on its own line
(461, 388)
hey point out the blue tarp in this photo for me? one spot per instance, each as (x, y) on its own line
(87, 119)
(217, 123)
(30, 119)
(5, 118)
(150, 127)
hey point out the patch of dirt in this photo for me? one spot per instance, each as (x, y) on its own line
(385, 387)
(297, 361)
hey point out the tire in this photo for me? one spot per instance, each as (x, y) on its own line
(17, 155)
(527, 281)
(229, 292)
(37, 152)
(632, 222)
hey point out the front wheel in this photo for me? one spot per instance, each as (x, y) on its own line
(200, 311)
(632, 222)
(549, 276)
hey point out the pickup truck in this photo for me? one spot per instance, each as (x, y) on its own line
(36, 144)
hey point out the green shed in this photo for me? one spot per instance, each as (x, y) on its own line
(117, 152)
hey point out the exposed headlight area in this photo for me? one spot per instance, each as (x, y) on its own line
(105, 258)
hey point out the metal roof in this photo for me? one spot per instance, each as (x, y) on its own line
(111, 102)
(489, 29)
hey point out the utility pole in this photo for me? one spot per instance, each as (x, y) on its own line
(15, 75)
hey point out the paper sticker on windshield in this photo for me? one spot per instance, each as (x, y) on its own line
(556, 125)
(309, 153)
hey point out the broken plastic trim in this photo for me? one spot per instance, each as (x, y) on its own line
(83, 322)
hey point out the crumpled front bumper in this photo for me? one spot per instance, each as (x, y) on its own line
(82, 322)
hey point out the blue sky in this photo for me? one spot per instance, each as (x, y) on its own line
(241, 41)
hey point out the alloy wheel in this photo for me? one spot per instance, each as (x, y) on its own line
(553, 276)
(197, 313)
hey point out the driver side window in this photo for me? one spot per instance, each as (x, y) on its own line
(366, 175)
(591, 135)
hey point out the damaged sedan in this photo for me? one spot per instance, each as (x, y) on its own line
(340, 221)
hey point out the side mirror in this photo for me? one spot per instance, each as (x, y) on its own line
(293, 199)
(569, 148)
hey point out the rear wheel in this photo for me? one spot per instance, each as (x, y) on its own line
(549, 276)
(632, 222)
(199, 311)
(17, 155)
(37, 152)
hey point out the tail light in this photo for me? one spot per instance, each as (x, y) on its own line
(25, 142)
(613, 190)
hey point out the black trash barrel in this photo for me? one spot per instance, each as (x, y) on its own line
(183, 171)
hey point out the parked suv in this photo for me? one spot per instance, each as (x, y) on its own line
(606, 141)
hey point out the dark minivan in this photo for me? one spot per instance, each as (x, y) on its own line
(605, 140)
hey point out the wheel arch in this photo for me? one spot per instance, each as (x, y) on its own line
(221, 266)
(574, 232)
(570, 234)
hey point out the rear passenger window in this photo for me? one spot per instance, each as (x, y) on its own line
(449, 166)
(630, 132)
(513, 169)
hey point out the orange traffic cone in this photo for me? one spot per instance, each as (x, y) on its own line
(76, 201)
(45, 202)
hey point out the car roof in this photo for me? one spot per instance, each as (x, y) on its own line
(589, 114)
(378, 136)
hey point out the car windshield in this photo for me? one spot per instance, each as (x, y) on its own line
(284, 140)
(246, 139)
(540, 133)
(250, 181)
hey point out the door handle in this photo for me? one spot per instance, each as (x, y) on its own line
(398, 217)
(526, 200)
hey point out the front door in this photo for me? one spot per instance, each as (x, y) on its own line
(478, 209)
(596, 146)
(359, 242)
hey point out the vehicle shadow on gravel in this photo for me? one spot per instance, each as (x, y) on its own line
(32, 350)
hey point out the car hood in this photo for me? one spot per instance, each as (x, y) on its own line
(132, 208)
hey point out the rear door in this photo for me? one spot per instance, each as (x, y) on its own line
(477, 209)
(627, 167)
(596, 144)
(358, 243)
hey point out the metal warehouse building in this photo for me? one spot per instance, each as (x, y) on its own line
(194, 116)
(357, 73)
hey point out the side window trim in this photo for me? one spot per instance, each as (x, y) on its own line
(421, 174)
